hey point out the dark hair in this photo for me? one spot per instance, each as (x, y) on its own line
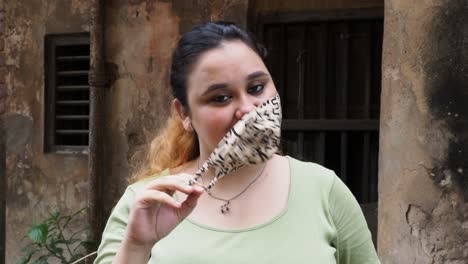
(200, 39)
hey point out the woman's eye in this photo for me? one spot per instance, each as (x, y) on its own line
(256, 88)
(220, 98)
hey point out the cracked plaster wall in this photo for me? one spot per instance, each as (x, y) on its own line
(36, 182)
(423, 177)
(423, 216)
(139, 38)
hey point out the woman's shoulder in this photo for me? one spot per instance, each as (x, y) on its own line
(312, 174)
(310, 168)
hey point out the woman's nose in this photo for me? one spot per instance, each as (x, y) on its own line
(246, 105)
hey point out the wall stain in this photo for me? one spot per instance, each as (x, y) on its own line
(112, 73)
(442, 232)
(19, 132)
(446, 66)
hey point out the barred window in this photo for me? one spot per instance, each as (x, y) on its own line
(66, 92)
(327, 69)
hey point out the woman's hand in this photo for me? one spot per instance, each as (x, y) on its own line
(155, 213)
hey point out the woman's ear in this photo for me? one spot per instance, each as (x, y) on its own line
(183, 114)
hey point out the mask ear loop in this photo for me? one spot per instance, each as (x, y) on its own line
(199, 173)
(204, 168)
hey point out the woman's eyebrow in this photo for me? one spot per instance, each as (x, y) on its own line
(255, 75)
(215, 86)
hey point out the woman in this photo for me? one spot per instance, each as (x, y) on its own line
(278, 211)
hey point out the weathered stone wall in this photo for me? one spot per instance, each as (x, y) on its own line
(37, 182)
(139, 38)
(423, 206)
(423, 188)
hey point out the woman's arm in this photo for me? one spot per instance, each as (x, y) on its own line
(354, 241)
(129, 253)
(144, 216)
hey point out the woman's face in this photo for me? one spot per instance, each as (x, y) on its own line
(226, 83)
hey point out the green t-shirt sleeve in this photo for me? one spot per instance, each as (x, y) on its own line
(114, 231)
(353, 240)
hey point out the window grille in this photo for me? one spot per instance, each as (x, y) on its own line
(328, 76)
(67, 91)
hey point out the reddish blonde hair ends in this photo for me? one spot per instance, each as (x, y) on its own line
(171, 148)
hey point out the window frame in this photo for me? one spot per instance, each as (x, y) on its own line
(317, 16)
(319, 125)
(51, 41)
(309, 125)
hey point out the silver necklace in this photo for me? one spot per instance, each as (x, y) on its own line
(225, 206)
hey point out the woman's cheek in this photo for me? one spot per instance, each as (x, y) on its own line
(218, 124)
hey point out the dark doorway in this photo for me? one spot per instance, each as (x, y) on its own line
(327, 68)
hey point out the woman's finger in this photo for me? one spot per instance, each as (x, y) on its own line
(151, 197)
(172, 183)
(182, 177)
(192, 199)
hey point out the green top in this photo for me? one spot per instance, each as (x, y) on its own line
(322, 223)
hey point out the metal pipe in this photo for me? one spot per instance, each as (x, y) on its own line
(97, 83)
(3, 187)
(3, 175)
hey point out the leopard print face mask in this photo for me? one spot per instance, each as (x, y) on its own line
(252, 140)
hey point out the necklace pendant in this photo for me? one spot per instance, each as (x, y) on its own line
(225, 208)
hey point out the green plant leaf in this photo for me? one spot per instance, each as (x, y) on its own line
(72, 241)
(78, 211)
(25, 259)
(55, 215)
(59, 251)
(53, 247)
(49, 241)
(68, 218)
(39, 233)
(27, 247)
(41, 260)
(60, 241)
